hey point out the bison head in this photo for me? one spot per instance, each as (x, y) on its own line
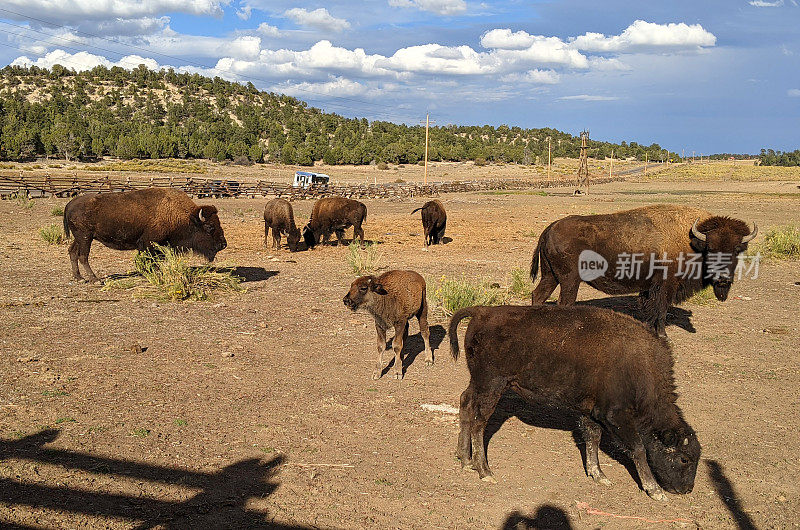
(361, 292)
(721, 240)
(309, 237)
(293, 239)
(673, 455)
(207, 237)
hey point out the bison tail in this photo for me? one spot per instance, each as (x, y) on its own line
(453, 331)
(415, 211)
(66, 225)
(539, 250)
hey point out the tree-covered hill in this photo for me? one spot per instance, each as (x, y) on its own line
(165, 114)
(770, 157)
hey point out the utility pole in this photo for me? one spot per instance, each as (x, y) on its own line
(427, 124)
(646, 159)
(548, 158)
(611, 167)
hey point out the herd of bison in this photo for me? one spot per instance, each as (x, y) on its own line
(614, 371)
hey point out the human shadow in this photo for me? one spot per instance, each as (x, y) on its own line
(220, 503)
(413, 345)
(727, 493)
(629, 305)
(549, 417)
(547, 517)
(248, 274)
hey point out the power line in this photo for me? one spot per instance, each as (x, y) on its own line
(151, 52)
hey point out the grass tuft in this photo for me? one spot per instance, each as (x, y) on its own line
(520, 285)
(703, 297)
(452, 294)
(57, 211)
(52, 234)
(781, 242)
(363, 261)
(22, 199)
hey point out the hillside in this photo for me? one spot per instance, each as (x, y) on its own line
(148, 114)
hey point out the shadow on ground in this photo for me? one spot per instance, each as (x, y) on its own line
(414, 345)
(220, 503)
(248, 274)
(727, 494)
(629, 305)
(547, 517)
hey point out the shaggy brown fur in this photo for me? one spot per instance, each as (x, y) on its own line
(335, 214)
(134, 220)
(664, 231)
(603, 365)
(434, 221)
(279, 216)
(392, 299)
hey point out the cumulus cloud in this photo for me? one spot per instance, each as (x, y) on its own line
(337, 86)
(62, 11)
(267, 30)
(536, 77)
(84, 61)
(642, 35)
(319, 19)
(793, 92)
(588, 97)
(440, 7)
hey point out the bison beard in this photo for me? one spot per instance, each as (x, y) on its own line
(605, 366)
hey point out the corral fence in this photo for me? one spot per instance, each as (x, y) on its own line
(68, 186)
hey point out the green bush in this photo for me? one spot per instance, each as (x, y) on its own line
(451, 294)
(520, 285)
(480, 161)
(52, 234)
(363, 261)
(782, 242)
(382, 166)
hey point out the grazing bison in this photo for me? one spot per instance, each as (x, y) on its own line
(603, 365)
(334, 214)
(434, 221)
(279, 216)
(665, 253)
(392, 299)
(134, 220)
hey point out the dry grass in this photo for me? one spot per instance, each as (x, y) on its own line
(363, 261)
(149, 166)
(741, 171)
(52, 234)
(450, 294)
(781, 242)
(520, 285)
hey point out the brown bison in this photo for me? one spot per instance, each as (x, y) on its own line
(334, 214)
(603, 365)
(279, 216)
(392, 299)
(665, 253)
(134, 220)
(434, 221)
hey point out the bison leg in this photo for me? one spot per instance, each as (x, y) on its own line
(381, 331)
(266, 234)
(326, 236)
(465, 415)
(73, 258)
(400, 333)
(485, 400)
(624, 428)
(655, 306)
(569, 290)
(276, 238)
(84, 245)
(358, 232)
(424, 330)
(547, 284)
(591, 433)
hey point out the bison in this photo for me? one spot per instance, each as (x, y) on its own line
(665, 253)
(434, 221)
(279, 216)
(334, 214)
(605, 366)
(134, 220)
(392, 299)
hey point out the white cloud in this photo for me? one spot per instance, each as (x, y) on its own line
(440, 7)
(537, 77)
(83, 61)
(335, 87)
(268, 31)
(132, 27)
(762, 3)
(793, 93)
(587, 97)
(245, 12)
(319, 19)
(504, 39)
(643, 35)
(76, 10)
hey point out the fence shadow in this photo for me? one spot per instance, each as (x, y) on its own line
(727, 493)
(629, 305)
(547, 517)
(221, 502)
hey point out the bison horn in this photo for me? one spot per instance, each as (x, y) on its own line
(200, 215)
(751, 235)
(697, 233)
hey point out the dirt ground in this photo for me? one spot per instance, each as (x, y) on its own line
(256, 409)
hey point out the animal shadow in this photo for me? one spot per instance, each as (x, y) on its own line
(547, 517)
(727, 493)
(629, 305)
(414, 345)
(548, 417)
(248, 274)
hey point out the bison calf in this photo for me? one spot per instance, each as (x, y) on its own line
(335, 214)
(134, 220)
(607, 367)
(279, 216)
(392, 299)
(434, 221)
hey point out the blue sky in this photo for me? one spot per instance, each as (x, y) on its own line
(714, 76)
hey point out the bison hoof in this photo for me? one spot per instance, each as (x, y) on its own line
(467, 466)
(602, 480)
(398, 375)
(658, 495)
(429, 362)
(489, 479)
(376, 375)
